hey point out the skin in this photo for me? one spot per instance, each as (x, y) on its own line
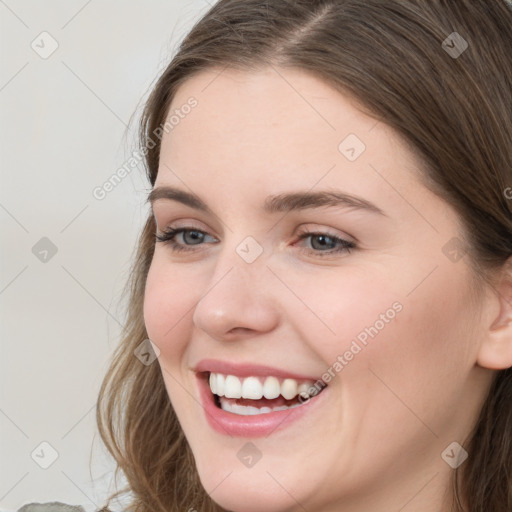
(375, 444)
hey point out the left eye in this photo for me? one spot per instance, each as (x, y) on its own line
(320, 243)
(326, 243)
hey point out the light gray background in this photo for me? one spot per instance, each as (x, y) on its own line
(63, 124)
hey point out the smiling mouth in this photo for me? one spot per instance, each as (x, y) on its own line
(254, 395)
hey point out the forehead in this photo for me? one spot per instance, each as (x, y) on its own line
(277, 127)
(257, 107)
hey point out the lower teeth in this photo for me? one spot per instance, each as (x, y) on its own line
(249, 410)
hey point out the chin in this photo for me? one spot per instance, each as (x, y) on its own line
(244, 490)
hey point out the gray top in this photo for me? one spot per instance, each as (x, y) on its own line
(50, 507)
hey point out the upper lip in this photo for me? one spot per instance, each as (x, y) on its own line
(248, 370)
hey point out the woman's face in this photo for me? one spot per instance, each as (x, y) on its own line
(365, 288)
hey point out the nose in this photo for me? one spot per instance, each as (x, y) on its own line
(236, 303)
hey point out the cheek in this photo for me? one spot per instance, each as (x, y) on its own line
(169, 301)
(435, 330)
(419, 360)
(344, 306)
(416, 345)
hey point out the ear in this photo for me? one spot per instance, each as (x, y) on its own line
(496, 349)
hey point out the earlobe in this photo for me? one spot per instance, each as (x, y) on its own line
(496, 348)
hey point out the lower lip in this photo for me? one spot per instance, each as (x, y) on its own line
(260, 425)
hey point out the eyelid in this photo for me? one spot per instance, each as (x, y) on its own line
(303, 229)
(344, 246)
(189, 224)
(307, 228)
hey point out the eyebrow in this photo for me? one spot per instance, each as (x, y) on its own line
(285, 202)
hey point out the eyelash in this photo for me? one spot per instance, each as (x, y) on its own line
(167, 237)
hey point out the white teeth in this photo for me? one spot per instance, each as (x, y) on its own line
(249, 410)
(213, 383)
(232, 387)
(252, 388)
(255, 388)
(289, 388)
(220, 384)
(302, 390)
(271, 388)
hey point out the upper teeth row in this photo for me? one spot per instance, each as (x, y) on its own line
(231, 386)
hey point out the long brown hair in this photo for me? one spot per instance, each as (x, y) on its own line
(395, 58)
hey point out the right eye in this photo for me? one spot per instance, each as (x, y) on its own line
(189, 237)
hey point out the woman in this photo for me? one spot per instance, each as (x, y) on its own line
(325, 274)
